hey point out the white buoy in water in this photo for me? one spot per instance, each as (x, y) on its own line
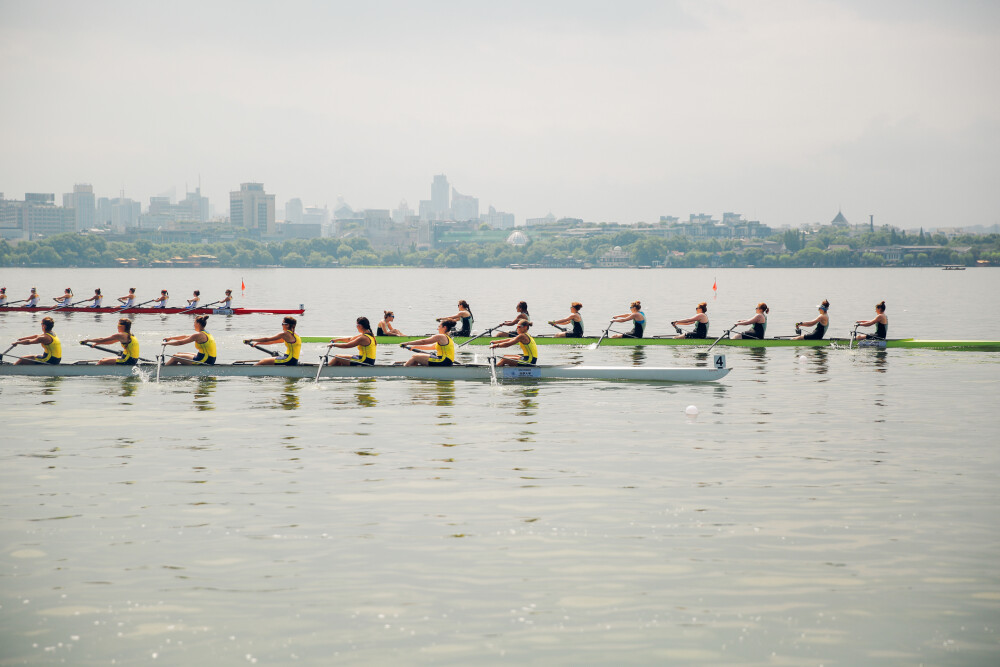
(691, 411)
(802, 357)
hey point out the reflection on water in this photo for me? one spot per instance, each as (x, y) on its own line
(363, 392)
(50, 386)
(817, 360)
(289, 399)
(204, 388)
(128, 386)
(638, 356)
(527, 405)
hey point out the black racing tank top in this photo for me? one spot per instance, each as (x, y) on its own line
(701, 330)
(466, 329)
(578, 328)
(759, 328)
(882, 330)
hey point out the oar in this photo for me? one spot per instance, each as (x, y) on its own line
(854, 337)
(558, 327)
(258, 347)
(117, 353)
(11, 303)
(725, 334)
(323, 360)
(12, 346)
(159, 360)
(66, 305)
(676, 328)
(493, 366)
(196, 306)
(604, 334)
(485, 333)
(137, 305)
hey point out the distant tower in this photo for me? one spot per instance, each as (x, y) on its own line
(440, 192)
(253, 209)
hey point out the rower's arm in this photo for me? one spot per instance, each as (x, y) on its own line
(509, 342)
(430, 340)
(280, 338)
(114, 338)
(869, 323)
(344, 343)
(31, 340)
(809, 323)
(183, 340)
(689, 320)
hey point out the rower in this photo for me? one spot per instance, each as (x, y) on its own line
(758, 321)
(385, 327)
(32, 300)
(529, 350)
(128, 300)
(880, 322)
(162, 301)
(700, 322)
(441, 344)
(464, 315)
(65, 299)
(365, 342)
(95, 300)
(124, 337)
(574, 319)
(193, 301)
(521, 315)
(634, 315)
(227, 302)
(203, 342)
(292, 341)
(51, 347)
(3, 297)
(822, 322)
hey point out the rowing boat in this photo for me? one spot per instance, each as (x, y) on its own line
(910, 343)
(716, 371)
(159, 311)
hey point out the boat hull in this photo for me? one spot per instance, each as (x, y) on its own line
(159, 311)
(910, 343)
(458, 372)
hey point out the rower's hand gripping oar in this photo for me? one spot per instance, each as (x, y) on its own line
(258, 347)
(854, 336)
(676, 328)
(117, 353)
(561, 328)
(725, 334)
(11, 303)
(324, 359)
(135, 305)
(197, 306)
(604, 334)
(485, 333)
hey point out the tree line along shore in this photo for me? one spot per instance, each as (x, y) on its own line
(826, 248)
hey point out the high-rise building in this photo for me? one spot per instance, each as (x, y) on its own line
(293, 211)
(35, 217)
(439, 197)
(84, 206)
(253, 209)
(463, 207)
(498, 219)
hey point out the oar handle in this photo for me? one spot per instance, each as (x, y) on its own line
(119, 353)
(258, 347)
(11, 303)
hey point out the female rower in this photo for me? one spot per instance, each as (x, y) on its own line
(65, 299)
(3, 297)
(292, 341)
(162, 301)
(124, 337)
(822, 323)
(203, 342)
(32, 300)
(759, 322)
(193, 301)
(385, 327)
(880, 322)
(227, 302)
(465, 315)
(521, 315)
(128, 300)
(441, 343)
(364, 341)
(574, 319)
(96, 299)
(529, 349)
(637, 317)
(700, 322)
(51, 347)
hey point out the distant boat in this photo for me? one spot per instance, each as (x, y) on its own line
(953, 267)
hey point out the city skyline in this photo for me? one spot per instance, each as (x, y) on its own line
(783, 111)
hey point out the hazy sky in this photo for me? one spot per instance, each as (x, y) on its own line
(784, 111)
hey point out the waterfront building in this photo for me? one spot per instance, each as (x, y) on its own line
(36, 216)
(616, 258)
(253, 209)
(535, 222)
(84, 206)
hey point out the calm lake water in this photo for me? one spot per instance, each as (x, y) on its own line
(826, 507)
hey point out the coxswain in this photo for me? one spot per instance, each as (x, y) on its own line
(203, 342)
(758, 323)
(575, 320)
(637, 317)
(440, 344)
(521, 315)
(385, 327)
(227, 302)
(822, 323)
(65, 299)
(700, 322)
(193, 301)
(464, 315)
(364, 341)
(529, 349)
(124, 337)
(32, 300)
(880, 322)
(51, 347)
(292, 341)
(3, 297)
(95, 300)
(162, 301)
(128, 300)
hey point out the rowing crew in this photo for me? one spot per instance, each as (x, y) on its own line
(127, 301)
